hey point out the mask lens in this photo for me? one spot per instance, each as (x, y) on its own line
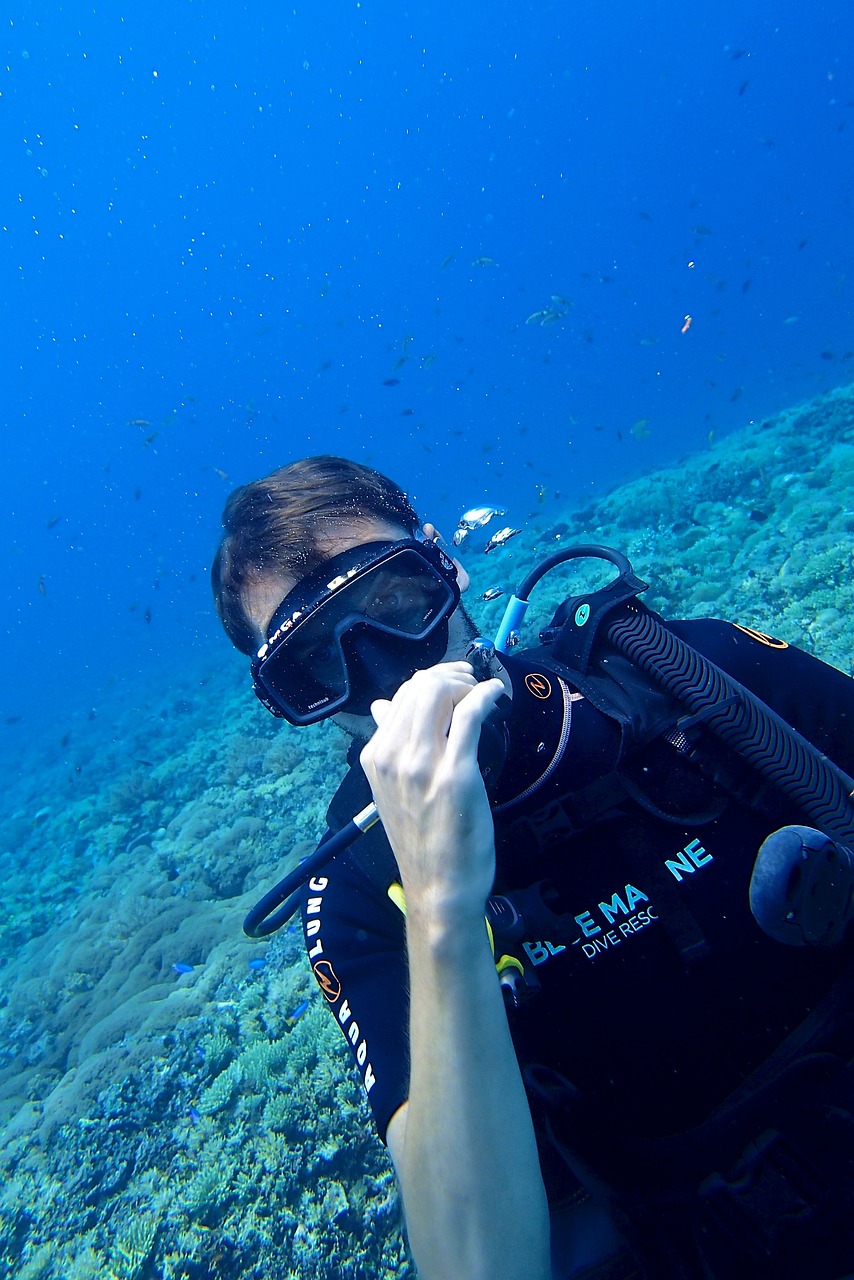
(404, 595)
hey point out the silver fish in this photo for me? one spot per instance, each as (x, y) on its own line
(492, 593)
(479, 516)
(498, 539)
(460, 536)
(547, 316)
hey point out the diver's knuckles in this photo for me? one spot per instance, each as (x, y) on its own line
(411, 771)
(445, 675)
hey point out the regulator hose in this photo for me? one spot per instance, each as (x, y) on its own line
(771, 746)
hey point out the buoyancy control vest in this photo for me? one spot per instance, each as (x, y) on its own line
(764, 1187)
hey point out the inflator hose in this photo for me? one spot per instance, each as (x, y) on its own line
(773, 748)
(277, 906)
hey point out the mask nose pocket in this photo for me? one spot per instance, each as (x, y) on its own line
(379, 664)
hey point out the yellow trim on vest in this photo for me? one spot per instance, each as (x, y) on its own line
(762, 637)
(398, 897)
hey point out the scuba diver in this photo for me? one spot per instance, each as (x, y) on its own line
(592, 964)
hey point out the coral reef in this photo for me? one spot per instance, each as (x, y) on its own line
(170, 1111)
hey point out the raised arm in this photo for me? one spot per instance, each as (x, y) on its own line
(463, 1145)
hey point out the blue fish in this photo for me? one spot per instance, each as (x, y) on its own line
(257, 963)
(299, 1010)
(181, 967)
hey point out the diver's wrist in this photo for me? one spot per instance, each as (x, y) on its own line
(448, 926)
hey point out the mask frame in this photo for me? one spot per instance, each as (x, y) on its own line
(334, 646)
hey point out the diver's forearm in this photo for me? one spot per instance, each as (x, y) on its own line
(472, 1188)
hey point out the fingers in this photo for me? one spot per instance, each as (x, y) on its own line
(468, 718)
(418, 717)
(380, 709)
(436, 714)
(445, 670)
(427, 704)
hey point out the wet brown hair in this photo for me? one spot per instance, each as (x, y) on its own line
(273, 526)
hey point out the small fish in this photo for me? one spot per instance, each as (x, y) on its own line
(547, 316)
(391, 382)
(492, 593)
(42, 586)
(640, 430)
(193, 1113)
(180, 966)
(399, 363)
(299, 1010)
(428, 360)
(460, 536)
(446, 262)
(53, 522)
(477, 517)
(258, 962)
(138, 422)
(407, 413)
(686, 324)
(498, 539)
(561, 301)
(484, 262)
(218, 471)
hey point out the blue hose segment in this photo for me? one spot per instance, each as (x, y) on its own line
(512, 621)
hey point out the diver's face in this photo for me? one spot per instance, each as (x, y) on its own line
(263, 596)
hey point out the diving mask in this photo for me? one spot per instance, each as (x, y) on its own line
(355, 629)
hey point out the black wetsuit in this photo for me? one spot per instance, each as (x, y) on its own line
(667, 995)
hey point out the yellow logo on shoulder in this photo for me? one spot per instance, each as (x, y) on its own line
(761, 637)
(538, 685)
(327, 980)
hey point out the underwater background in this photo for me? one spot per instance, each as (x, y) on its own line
(590, 264)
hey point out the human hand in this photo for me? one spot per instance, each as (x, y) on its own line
(422, 767)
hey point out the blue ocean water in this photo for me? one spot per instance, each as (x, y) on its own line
(227, 228)
(521, 255)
